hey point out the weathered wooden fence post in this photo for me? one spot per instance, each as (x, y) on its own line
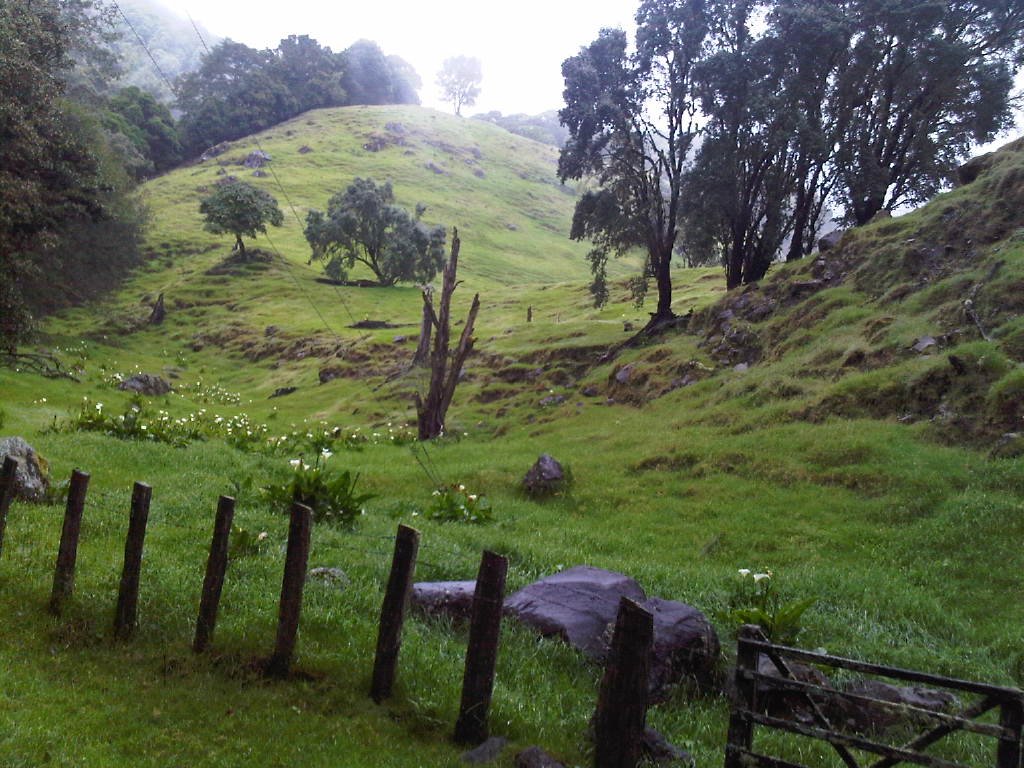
(482, 654)
(126, 615)
(67, 554)
(1011, 719)
(740, 738)
(216, 567)
(295, 562)
(392, 612)
(622, 701)
(6, 494)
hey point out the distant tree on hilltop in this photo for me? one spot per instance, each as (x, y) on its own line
(459, 79)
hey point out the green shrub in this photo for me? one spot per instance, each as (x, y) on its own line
(753, 600)
(453, 503)
(331, 495)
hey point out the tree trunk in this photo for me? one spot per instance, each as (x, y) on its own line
(426, 328)
(240, 246)
(445, 366)
(734, 267)
(662, 263)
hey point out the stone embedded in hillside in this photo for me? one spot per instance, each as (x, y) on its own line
(146, 384)
(256, 159)
(657, 749)
(305, 150)
(450, 599)
(330, 373)
(282, 391)
(216, 150)
(624, 374)
(32, 475)
(552, 400)
(546, 476)
(872, 716)
(923, 344)
(830, 240)
(535, 757)
(782, 702)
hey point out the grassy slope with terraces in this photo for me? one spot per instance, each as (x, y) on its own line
(864, 474)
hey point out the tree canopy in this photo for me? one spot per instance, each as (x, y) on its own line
(62, 175)
(735, 126)
(632, 121)
(363, 225)
(239, 90)
(240, 209)
(459, 80)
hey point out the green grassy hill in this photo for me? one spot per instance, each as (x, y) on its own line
(792, 426)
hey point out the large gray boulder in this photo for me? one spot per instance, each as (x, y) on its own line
(147, 384)
(546, 477)
(32, 476)
(580, 604)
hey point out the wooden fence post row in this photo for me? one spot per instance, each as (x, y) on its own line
(392, 612)
(6, 493)
(482, 654)
(295, 562)
(126, 614)
(216, 567)
(67, 554)
(622, 701)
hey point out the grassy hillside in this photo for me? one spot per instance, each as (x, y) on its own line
(791, 427)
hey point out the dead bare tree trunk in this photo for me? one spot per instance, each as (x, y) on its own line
(445, 365)
(426, 328)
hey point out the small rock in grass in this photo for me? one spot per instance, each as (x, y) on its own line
(486, 753)
(32, 475)
(145, 384)
(535, 757)
(451, 599)
(545, 477)
(332, 577)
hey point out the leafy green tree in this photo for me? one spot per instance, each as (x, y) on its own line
(310, 72)
(459, 80)
(632, 120)
(363, 225)
(233, 94)
(922, 83)
(148, 124)
(60, 181)
(242, 210)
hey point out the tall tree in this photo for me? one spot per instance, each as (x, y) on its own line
(149, 125)
(60, 181)
(310, 72)
(924, 82)
(234, 93)
(632, 121)
(459, 80)
(739, 193)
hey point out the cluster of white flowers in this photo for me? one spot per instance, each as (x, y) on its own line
(757, 577)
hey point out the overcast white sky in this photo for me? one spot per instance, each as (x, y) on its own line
(521, 44)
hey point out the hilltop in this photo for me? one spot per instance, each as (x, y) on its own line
(848, 423)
